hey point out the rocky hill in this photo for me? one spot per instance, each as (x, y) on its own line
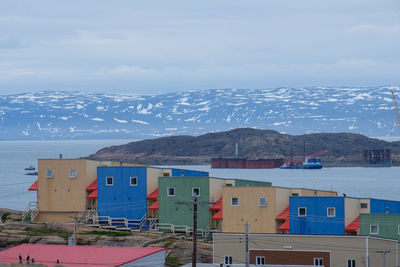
(345, 148)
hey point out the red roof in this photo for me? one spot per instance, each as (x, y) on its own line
(92, 195)
(154, 206)
(285, 226)
(217, 206)
(217, 216)
(76, 256)
(34, 186)
(153, 195)
(353, 226)
(92, 186)
(283, 215)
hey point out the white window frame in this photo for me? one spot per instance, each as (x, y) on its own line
(262, 204)
(112, 181)
(361, 207)
(73, 173)
(377, 229)
(350, 263)
(193, 194)
(48, 175)
(228, 259)
(334, 212)
(260, 260)
(130, 181)
(168, 194)
(398, 229)
(318, 261)
(232, 201)
(305, 212)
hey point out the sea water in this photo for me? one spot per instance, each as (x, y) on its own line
(15, 156)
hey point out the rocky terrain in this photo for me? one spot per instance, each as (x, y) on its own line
(178, 248)
(344, 148)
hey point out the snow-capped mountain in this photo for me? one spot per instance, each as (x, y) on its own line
(76, 115)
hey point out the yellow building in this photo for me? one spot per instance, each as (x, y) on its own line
(61, 188)
(265, 208)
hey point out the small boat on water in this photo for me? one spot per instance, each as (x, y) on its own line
(30, 168)
(312, 163)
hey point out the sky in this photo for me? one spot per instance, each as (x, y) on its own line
(155, 47)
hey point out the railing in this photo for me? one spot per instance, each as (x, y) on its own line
(87, 215)
(30, 210)
(142, 222)
(152, 223)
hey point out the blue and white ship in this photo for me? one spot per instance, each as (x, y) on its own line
(312, 163)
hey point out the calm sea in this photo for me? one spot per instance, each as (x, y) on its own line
(357, 182)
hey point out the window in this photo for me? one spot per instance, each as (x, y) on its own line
(109, 180)
(374, 229)
(235, 201)
(228, 185)
(351, 263)
(182, 173)
(228, 259)
(364, 205)
(262, 201)
(302, 212)
(330, 212)
(398, 229)
(195, 191)
(133, 181)
(295, 194)
(72, 173)
(171, 191)
(49, 173)
(318, 262)
(260, 260)
(165, 174)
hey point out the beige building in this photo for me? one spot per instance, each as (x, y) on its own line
(309, 250)
(61, 187)
(265, 208)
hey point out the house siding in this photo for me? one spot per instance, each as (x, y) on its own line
(388, 225)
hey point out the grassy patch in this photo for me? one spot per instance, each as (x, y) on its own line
(173, 261)
(5, 216)
(47, 231)
(169, 243)
(107, 233)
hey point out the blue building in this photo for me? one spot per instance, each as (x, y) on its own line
(333, 215)
(122, 190)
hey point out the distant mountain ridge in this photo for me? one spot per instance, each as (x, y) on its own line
(345, 148)
(75, 115)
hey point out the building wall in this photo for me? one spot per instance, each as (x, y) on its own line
(316, 220)
(152, 178)
(352, 210)
(216, 186)
(241, 182)
(341, 248)
(62, 193)
(285, 257)
(383, 206)
(388, 225)
(188, 173)
(179, 214)
(122, 200)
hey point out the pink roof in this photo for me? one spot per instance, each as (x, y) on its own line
(92, 186)
(92, 195)
(34, 186)
(283, 215)
(153, 195)
(217, 216)
(353, 226)
(154, 206)
(285, 226)
(76, 256)
(217, 206)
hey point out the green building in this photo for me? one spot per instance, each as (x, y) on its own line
(207, 189)
(380, 225)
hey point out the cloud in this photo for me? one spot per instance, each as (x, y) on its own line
(125, 70)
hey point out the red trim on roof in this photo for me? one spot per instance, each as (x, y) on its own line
(34, 186)
(92, 186)
(285, 226)
(154, 206)
(153, 195)
(283, 215)
(76, 256)
(217, 216)
(92, 195)
(353, 226)
(217, 206)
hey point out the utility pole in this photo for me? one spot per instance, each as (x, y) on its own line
(194, 203)
(384, 252)
(75, 217)
(247, 245)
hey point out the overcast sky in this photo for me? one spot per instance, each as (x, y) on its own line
(153, 47)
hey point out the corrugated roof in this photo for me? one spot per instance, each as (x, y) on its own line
(353, 226)
(217, 206)
(153, 195)
(285, 226)
(217, 216)
(92, 195)
(92, 186)
(283, 215)
(154, 206)
(76, 256)
(34, 186)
